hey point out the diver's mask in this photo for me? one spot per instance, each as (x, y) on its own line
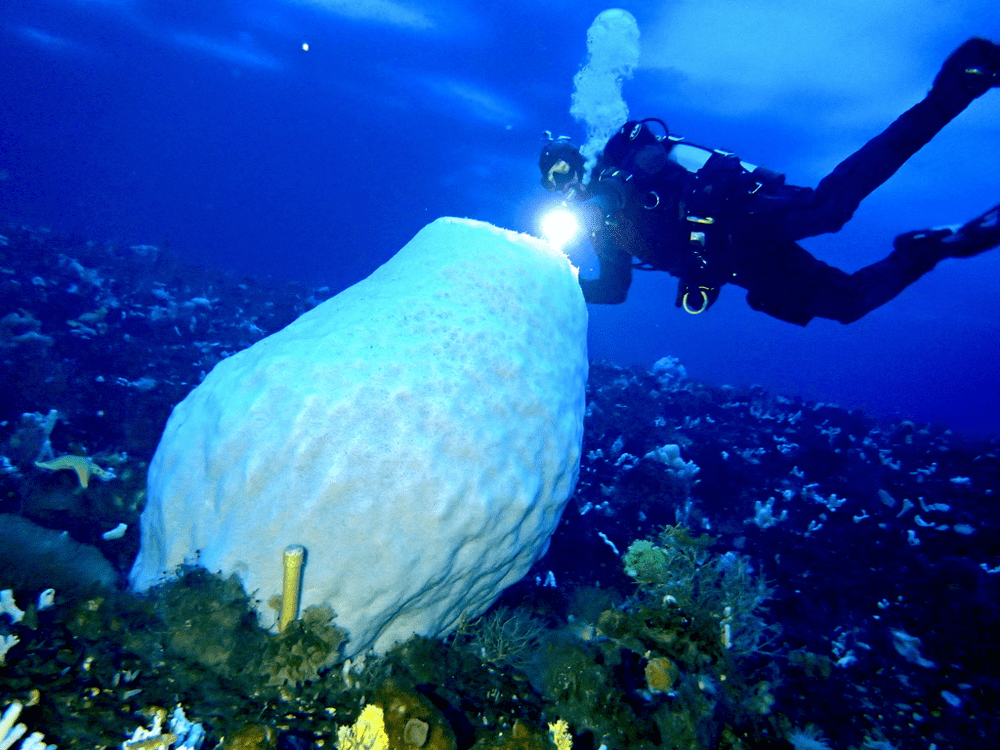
(561, 164)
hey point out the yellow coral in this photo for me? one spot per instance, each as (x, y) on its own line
(560, 735)
(367, 733)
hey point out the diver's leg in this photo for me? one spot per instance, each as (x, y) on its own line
(788, 283)
(968, 73)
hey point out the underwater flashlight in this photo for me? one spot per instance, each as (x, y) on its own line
(560, 226)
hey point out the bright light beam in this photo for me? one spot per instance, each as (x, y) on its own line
(559, 227)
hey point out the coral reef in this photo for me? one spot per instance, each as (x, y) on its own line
(875, 540)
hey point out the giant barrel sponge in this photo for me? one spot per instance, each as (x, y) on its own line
(419, 434)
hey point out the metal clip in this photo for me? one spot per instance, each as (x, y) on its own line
(704, 302)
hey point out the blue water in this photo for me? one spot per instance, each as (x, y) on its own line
(308, 141)
(216, 131)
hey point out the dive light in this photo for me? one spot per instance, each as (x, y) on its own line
(560, 226)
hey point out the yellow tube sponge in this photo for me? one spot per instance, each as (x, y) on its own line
(291, 584)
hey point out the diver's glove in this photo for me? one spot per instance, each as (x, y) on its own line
(972, 238)
(973, 68)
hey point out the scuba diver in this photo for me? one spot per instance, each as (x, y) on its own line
(710, 219)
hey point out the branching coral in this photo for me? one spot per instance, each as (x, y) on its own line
(11, 732)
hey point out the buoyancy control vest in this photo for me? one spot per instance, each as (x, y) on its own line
(671, 204)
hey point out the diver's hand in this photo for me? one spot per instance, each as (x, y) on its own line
(592, 218)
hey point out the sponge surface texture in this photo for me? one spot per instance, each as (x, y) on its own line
(419, 433)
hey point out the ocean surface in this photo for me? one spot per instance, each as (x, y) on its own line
(179, 180)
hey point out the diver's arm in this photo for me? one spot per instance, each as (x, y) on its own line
(611, 286)
(606, 198)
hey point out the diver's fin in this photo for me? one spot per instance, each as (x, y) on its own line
(974, 237)
(971, 238)
(974, 67)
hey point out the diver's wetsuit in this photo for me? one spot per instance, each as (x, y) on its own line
(751, 241)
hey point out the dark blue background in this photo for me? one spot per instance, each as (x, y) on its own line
(213, 129)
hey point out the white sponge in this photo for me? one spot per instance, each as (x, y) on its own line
(419, 434)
